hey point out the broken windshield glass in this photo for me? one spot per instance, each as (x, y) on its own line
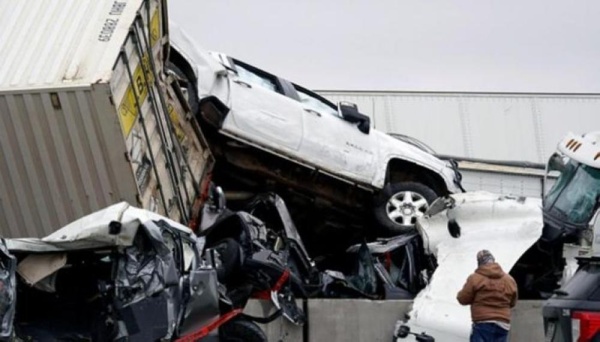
(575, 195)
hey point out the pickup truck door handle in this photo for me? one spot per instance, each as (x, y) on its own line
(238, 81)
(312, 111)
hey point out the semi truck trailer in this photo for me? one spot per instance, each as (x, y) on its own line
(91, 116)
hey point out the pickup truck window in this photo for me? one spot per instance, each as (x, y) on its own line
(315, 102)
(254, 76)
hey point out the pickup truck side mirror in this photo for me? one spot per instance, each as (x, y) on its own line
(349, 111)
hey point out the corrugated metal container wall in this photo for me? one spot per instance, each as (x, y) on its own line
(54, 162)
(511, 127)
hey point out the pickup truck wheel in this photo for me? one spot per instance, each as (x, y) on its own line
(241, 330)
(401, 204)
(187, 87)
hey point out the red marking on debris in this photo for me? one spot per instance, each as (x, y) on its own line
(266, 294)
(204, 331)
(388, 261)
(194, 222)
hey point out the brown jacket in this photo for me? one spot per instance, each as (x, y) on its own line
(490, 292)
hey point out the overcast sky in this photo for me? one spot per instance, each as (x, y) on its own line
(457, 45)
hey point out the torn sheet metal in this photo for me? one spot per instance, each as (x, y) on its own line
(143, 269)
(113, 226)
(382, 246)
(36, 267)
(505, 226)
(8, 295)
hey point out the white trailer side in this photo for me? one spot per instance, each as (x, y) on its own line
(494, 126)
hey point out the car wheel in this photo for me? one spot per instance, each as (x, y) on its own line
(241, 330)
(400, 205)
(188, 87)
(231, 261)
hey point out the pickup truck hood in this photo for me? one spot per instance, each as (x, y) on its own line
(505, 226)
(210, 74)
(391, 148)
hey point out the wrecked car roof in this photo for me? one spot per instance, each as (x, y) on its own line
(382, 246)
(505, 226)
(94, 231)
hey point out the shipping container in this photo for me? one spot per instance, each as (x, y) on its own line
(90, 117)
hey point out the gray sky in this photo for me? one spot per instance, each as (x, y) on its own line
(459, 45)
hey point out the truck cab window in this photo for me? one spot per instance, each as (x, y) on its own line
(315, 102)
(576, 193)
(256, 77)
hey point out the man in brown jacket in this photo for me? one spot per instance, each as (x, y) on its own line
(491, 294)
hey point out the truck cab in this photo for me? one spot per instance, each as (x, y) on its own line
(571, 206)
(572, 217)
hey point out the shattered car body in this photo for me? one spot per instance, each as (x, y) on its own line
(260, 258)
(282, 132)
(266, 246)
(8, 265)
(506, 226)
(118, 273)
(401, 267)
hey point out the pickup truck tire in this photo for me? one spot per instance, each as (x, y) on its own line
(241, 330)
(400, 204)
(187, 86)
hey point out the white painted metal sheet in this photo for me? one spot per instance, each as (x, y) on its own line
(493, 126)
(61, 43)
(507, 227)
(504, 184)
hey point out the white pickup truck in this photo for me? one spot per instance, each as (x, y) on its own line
(302, 140)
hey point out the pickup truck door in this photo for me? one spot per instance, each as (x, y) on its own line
(335, 144)
(261, 113)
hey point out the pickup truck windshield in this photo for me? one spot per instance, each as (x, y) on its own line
(575, 195)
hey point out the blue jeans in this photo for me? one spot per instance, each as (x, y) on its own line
(488, 332)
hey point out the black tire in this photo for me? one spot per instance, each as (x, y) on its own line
(241, 330)
(231, 260)
(188, 85)
(395, 190)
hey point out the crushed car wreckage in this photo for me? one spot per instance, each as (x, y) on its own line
(123, 261)
(261, 250)
(121, 272)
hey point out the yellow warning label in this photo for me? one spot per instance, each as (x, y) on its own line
(154, 28)
(176, 124)
(128, 111)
